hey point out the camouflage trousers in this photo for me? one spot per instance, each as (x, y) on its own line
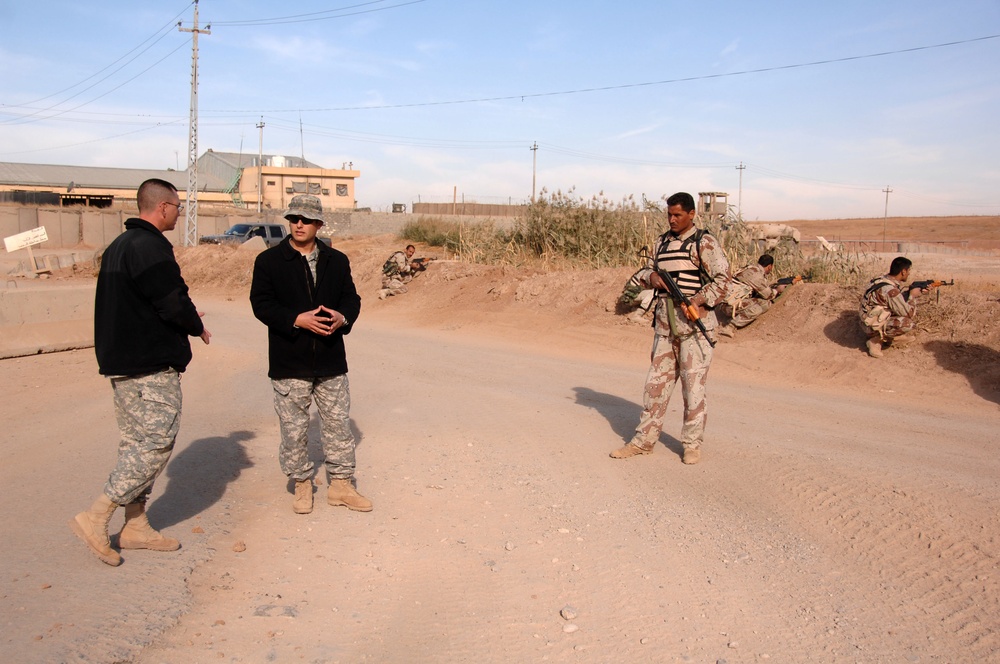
(292, 398)
(687, 360)
(148, 410)
(748, 311)
(394, 285)
(893, 326)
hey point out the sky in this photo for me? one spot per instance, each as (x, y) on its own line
(797, 110)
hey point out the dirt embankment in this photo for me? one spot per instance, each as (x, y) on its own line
(810, 337)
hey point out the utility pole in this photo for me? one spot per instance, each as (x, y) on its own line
(302, 139)
(260, 164)
(739, 201)
(885, 217)
(534, 168)
(191, 204)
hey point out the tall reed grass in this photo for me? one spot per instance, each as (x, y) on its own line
(563, 230)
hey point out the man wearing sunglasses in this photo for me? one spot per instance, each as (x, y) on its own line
(303, 291)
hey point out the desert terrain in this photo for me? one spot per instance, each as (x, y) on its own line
(844, 509)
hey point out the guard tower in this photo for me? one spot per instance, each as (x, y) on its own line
(712, 204)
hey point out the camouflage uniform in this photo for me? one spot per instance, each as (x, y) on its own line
(148, 410)
(680, 351)
(143, 317)
(292, 398)
(396, 273)
(635, 296)
(750, 295)
(884, 312)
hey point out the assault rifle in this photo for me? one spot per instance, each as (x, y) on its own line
(788, 281)
(422, 262)
(924, 285)
(682, 301)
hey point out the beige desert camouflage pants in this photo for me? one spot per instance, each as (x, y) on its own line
(292, 398)
(749, 310)
(686, 360)
(395, 285)
(148, 410)
(893, 326)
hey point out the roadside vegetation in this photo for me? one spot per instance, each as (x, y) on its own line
(565, 231)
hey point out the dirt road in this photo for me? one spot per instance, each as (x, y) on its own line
(820, 526)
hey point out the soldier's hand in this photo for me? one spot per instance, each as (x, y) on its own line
(337, 319)
(315, 321)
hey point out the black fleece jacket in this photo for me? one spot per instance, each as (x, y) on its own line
(282, 289)
(142, 313)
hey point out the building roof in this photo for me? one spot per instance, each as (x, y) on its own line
(241, 160)
(217, 172)
(95, 177)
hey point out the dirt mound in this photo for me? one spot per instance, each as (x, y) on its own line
(810, 337)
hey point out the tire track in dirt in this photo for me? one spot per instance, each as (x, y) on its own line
(906, 573)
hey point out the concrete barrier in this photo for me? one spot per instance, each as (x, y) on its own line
(42, 319)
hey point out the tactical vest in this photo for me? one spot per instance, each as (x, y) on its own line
(674, 257)
(872, 312)
(391, 268)
(633, 287)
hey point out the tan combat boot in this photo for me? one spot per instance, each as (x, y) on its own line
(627, 451)
(92, 527)
(138, 534)
(728, 331)
(303, 503)
(342, 492)
(692, 455)
(874, 346)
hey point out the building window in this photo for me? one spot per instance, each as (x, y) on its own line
(341, 189)
(314, 187)
(299, 187)
(270, 183)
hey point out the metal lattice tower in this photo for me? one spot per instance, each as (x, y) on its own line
(191, 204)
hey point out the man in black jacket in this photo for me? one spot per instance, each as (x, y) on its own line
(303, 291)
(142, 320)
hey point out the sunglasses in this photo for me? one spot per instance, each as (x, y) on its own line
(301, 220)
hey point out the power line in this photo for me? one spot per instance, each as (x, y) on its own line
(365, 137)
(314, 16)
(28, 119)
(624, 86)
(95, 140)
(164, 29)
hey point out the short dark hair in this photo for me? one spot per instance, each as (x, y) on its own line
(899, 263)
(152, 192)
(765, 260)
(410, 246)
(682, 198)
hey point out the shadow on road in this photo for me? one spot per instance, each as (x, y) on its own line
(979, 364)
(622, 415)
(199, 475)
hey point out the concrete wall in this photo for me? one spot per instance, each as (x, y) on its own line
(42, 319)
(95, 229)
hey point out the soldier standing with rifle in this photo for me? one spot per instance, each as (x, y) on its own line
(691, 274)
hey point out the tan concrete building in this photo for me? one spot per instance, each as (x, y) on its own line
(226, 179)
(270, 182)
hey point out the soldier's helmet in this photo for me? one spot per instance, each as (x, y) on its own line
(305, 206)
